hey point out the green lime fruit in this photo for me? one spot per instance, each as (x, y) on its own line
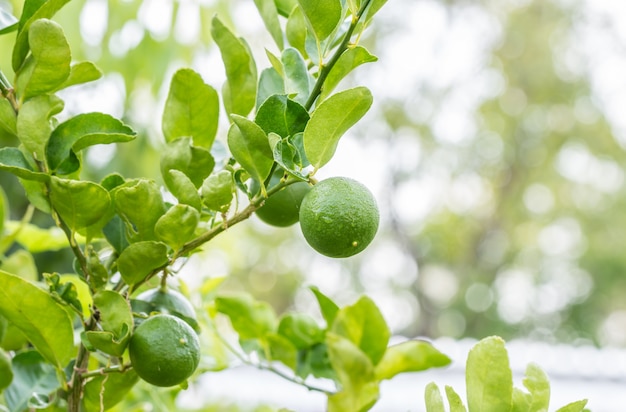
(170, 302)
(339, 217)
(282, 209)
(164, 350)
(6, 372)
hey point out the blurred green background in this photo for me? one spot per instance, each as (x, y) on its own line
(495, 148)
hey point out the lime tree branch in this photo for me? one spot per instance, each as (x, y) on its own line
(326, 68)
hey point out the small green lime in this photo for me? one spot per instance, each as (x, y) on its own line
(339, 217)
(282, 209)
(170, 302)
(164, 350)
(6, 372)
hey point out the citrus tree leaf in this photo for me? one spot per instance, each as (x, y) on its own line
(348, 61)
(31, 12)
(177, 225)
(434, 401)
(31, 375)
(45, 323)
(270, 83)
(82, 72)
(6, 372)
(281, 115)
(36, 239)
(249, 146)
(82, 131)
(49, 64)
(191, 109)
(269, 14)
(141, 205)
(8, 117)
(578, 406)
(296, 30)
(373, 8)
(301, 330)
(239, 91)
(328, 308)
(359, 387)
(322, 15)
(115, 233)
(409, 356)
(538, 396)
(12, 160)
(217, 191)
(330, 120)
(183, 189)
(364, 325)
(33, 123)
(282, 350)
(456, 404)
(116, 387)
(139, 259)
(79, 203)
(284, 7)
(116, 320)
(297, 78)
(8, 22)
(195, 162)
(488, 377)
(251, 319)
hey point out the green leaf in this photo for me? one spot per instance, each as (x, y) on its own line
(217, 191)
(183, 189)
(577, 406)
(12, 160)
(373, 8)
(116, 387)
(8, 118)
(488, 377)
(4, 213)
(281, 115)
(79, 203)
(141, 205)
(31, 375)
(195, 162)
(33, 123)
(328, 308)
(269, 14)
(8, 22)
(301, 330)
(297, 78)
(287, 155)
(82, 131)
(348, 61)
(140, 259)
(359, 388)
(21, 263)
(116, 320)
(115, 233)
(282, 350)
(31, 12)
(284, 7)
(239, 91)
(45, 323)
(49, 64)
(191, 109)
(177, 225)
(82, 72)
(249, 146)
(456, 404)
(364, 325)
(6, 373)
(538, 385)
(409, 356)
(296, 30)
(330, 120)
(434, 401)
(250, 318)
(323, 16)
(36, 239)
(270, 83)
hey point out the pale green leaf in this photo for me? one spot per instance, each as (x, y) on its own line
(488, 377)
(217, 191)
(269, 14)
(239, 91)
(249, 145)
(116, 320)
(250, 318)
(270, 83)
(409, 356)
(456, 404)
(183, 189)
(177, 225)
(79, 203)
(296, 30)
(297, 78)
(8, 117)
(33, 123)
(49, 64)
(538, 385)
(195, 162)
(577, 406)
(330, 120)
(348, 61)
(282, 350)
(191, 109)
(45, 323)
(141, 205)
(300, 329)
(82, 72)
(12, 160)
(434, 401)
(140, 259)
(323, 16)
(36, 239)
(284, 7)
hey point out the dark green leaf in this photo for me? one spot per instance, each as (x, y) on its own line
(6, 372)
(269, 14)
(281, 115)
(217, 191)
(348, 61)
(330, 120)
(83, 72)
(191, 109)
(116, 387)
(297, 78)
(39, 317)
(409, 356)
(363, 324)
(12, 160)
(270, 83)
(456, 404)
(239, 91)
(177, 225)
(32, 375)
(8, 118)
(49, 64)
(141, 205)
(315, 361)
(82, 131)
(250, 147)
(140, 259)
(434, 401)
(183, 189)
(115, 233)
(328, 308)
(488, 377)
(33, 123)
(301, 330)
(79, 203)
(323, 16)
(195, 162)
(250, 318)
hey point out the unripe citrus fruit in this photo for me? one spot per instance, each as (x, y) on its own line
(170, 302)
(164, 350)
(282, 209)
(339, 217)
